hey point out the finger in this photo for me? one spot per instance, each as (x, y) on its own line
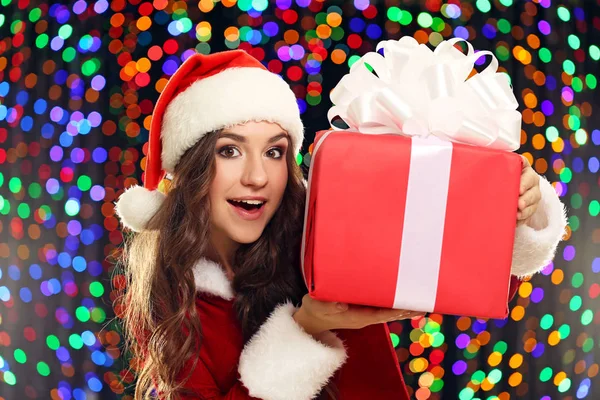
(362, 312)
(409, 315)
(414, 314)
(404, 314)
(525, 162)
(324, 307)
(387, 314)
(338, 307)
(529, 179)
(396, 318)
(524, 215)
(419, 313)
(531, 197)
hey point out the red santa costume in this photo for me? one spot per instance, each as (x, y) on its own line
(281, 361)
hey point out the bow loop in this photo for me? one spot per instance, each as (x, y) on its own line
(412, 90)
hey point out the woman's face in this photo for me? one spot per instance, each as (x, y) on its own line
(251, 176)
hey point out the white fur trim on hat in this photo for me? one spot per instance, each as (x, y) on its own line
(137, 205)
(536, 241)
(233, 96)
(283, 362)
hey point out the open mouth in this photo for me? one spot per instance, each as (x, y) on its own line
(248, 205)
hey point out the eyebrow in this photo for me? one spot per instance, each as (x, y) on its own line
(242, 139)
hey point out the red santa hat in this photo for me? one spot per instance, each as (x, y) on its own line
(206, 93)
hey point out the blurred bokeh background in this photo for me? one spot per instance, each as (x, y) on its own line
(78, 83)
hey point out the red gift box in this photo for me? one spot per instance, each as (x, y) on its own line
(410, 223)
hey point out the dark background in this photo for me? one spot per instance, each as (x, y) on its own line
(78, 82)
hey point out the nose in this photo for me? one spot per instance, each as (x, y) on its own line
(255, 173)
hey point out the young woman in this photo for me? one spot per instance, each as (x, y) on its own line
(215, 306)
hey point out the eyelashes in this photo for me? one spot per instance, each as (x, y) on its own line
(279, 150)
(230, 151)
(223, 150)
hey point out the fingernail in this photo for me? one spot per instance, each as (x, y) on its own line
(341, 306)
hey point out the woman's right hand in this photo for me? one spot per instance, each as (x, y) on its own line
(316, 316)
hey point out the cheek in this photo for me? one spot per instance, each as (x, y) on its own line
(214, 189)
(279, 180)
(213, 196)
(226, 174)
(220, 183)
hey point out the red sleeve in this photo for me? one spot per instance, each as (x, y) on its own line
(201, 386)
(281, 362)
(515, 283)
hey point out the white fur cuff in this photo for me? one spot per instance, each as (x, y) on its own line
(282, 362)
(536, 241)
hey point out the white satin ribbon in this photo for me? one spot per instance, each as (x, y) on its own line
(424, 222)
(419, 92)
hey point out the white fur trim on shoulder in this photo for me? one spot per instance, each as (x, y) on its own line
(283, 362)
(536, 241)
(231, 97)
(210, 278)
(137, 205)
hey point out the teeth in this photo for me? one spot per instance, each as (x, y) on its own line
(252, 202)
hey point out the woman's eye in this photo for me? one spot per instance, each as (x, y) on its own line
(275, 152)
(229, 152)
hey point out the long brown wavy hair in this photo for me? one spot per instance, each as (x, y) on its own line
(158, 311)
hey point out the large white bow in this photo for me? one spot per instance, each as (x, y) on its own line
(420, 92)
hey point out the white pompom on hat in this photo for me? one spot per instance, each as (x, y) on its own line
(206, 93)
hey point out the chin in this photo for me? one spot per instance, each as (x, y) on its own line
(246, 236)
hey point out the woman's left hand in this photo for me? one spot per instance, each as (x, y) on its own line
(529, 193)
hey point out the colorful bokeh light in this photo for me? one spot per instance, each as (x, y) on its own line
(78, 84)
